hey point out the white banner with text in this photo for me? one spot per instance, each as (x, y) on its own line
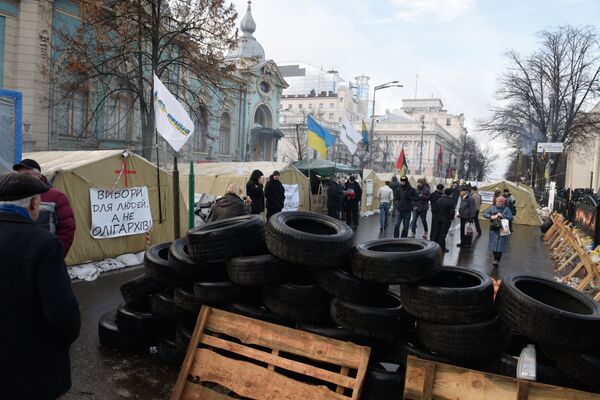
(121, 212)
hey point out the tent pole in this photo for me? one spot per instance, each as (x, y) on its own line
(176, 210)
(160, 219)
(191, 198)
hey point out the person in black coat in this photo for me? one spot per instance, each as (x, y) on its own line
(443, 212)
(335, 198)
(274, 194)
(435, 196)
(403, 203)
(40, 314)
(230, 205)
(254, 190)
(353, 193)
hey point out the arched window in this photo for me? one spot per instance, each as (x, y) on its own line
(224, 133)
(262, 117)
(201, 130)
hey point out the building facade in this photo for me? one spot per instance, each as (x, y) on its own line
(420, 120)
(583, 164)
(326, 97)
(240, 121)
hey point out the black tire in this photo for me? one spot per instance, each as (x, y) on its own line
(217, 293)
(343, 285)
(109, 335)
(186, 301)
(582, 368)
(308, 239)
(183, 336)
(391, 261)
(546, 225)
(157, 268)
(330, 331)
(163, 305)
(412, 346)
(383, 384)
(227, 238)
(454, 295)
(136, 291)
(256, 271)
(297, 302)
(142, 324)
(548, 312)
(169, 352)
(185, 266)
(467, 341)
(386, 320)
(253, 311)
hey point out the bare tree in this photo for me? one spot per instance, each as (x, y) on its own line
(121, 43)
(478, 162)
(546, 95)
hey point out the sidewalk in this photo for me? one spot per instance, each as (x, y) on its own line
(105, 374)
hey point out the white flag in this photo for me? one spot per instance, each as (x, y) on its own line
(172, 121)
(349, 136)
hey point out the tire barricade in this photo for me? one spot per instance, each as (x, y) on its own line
(395, 296)
(569, 250)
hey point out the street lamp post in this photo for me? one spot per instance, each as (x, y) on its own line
(375, 89)
(421, 149)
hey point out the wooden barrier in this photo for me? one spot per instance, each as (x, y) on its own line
(567, 248)
(427, 380)
(259, 360)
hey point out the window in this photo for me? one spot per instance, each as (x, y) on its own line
(330, 105)
(264, 87)
(339, 119)
(201, 130)
(330, 115)
(290, 106)
(341, 99)
(448, 121)
(300, 106)
(71, 113)
(310, 105)
(405, 147)
(120, 118)
(320, 105)
(224, 133)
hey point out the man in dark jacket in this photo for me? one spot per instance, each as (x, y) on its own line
(56, 214)
(274, 194)
(39, 312)
(254, 190)
(403, 203)
(230, 205)
(353, 193)
(443, 213)
(335, 198)
(437, 193)
(466, 211)
(420, 207)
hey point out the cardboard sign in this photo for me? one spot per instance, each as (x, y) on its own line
(292, 198)
(486, 197)
(121, 212)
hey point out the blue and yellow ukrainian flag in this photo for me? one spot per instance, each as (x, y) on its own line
(318, 137)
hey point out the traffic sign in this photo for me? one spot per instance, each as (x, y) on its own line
(553, 147)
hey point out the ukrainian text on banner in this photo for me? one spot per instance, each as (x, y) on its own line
(121, 212)
(172, 121)
(292, 198)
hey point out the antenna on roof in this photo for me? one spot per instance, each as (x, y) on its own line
(417, 85)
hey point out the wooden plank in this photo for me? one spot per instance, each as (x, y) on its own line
(261, 333)
(566, 262)
(453, 382)
(281, 362)
(428, 381)
(193, 391)
(522, 389)
(254, 382)
(575, 270)
(272, 367)
(344, 372)
(189, 356)
(585, 282)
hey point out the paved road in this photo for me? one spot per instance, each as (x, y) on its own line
(104, 374)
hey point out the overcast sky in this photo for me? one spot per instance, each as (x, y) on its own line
(455, 46)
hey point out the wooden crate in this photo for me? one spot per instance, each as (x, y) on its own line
(426, 380)
(255, 359)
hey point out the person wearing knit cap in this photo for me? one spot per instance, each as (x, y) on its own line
(40, 314)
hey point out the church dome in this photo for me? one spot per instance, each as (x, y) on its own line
(248, 46)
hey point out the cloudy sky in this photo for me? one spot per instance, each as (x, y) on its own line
(455, 46)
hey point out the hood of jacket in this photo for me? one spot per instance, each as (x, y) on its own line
(228, 200)
(256, 174)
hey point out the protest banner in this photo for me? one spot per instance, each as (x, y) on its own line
(121, 212)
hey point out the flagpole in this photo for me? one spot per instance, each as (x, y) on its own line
(160, 219)
(176, 210)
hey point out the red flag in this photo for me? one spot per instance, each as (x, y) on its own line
(440, 155)
(401, 163)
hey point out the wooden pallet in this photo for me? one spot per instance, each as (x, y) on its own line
(427, 380)
(253, 359)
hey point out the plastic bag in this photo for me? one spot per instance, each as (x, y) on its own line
(505, 230)
(469, 229)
